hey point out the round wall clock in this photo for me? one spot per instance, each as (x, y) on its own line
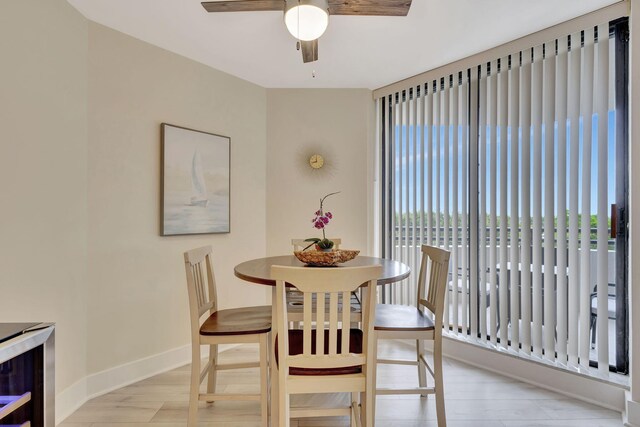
(316, 161)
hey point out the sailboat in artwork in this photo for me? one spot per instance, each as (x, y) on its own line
(198, 185)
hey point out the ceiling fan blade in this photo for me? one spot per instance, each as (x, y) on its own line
(370, 7)
(243, 5)
(309, 50)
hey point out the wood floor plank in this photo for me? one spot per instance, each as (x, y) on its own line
(115, 412)
(565, 423)
(474, 398)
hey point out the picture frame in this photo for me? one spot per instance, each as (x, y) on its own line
(195, 182)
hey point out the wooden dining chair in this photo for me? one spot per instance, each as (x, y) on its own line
(326, 355)
(231, 326)
(407, 322)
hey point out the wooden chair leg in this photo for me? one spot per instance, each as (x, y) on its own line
(355, 409)
(422, 370)
(194, 388)
(439, 382)
(284, 408)
(212, 376)
(264, 380)
(369, 403)
(274, 372)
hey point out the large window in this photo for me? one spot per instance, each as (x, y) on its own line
(519, 166)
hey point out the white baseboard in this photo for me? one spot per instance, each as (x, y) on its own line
(70, 399)
(94, 385)
(607, 395)
(632, 415)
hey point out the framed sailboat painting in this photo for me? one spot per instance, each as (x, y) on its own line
(195, 182)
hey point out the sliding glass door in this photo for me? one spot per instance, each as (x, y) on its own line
(518, 166)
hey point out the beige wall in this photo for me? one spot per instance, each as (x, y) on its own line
(79, 174)
(138, 303)
(43, 174)
(335, 123)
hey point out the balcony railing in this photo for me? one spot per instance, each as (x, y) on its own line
(475, 310)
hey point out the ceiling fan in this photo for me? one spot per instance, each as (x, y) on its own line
(307, 20)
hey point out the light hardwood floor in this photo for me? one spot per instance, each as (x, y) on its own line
(474, 398)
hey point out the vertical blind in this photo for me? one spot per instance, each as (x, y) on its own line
(509, 165)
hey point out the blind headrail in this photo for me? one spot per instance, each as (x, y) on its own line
(591, 19)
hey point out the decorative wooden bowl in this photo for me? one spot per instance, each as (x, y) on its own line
(326, 259)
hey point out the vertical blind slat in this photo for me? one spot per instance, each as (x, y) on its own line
(456, 290)
(418, 183)
(492, 99)
(482, 194)
(437, 141)
(447, 175)
(536, 123)
(549, 180)
(437, 113)
(601, 103)
(503, 113)
(413, 156)
(573, 111)
(468, 290)
(514, 101)
(423, 168)
(428, 112)
(561, 116)
(525, 167)
(393, 109)
(386, 178)
(400, 245)
(586, 113)
(407, 192)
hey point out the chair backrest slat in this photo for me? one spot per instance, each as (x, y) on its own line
(307, 309)
(346, 319)
(337, 284)
(201, 284)
(333, 323)
(320, 319)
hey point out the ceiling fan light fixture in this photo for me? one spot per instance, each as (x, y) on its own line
(306, 20)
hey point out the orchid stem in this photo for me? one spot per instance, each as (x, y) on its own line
(322, 200)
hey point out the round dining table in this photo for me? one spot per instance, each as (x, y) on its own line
(259, 270)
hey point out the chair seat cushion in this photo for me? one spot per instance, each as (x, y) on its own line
(394, 317)
(238, 321)
(296, 347)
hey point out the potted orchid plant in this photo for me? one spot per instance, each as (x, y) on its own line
(320, 221)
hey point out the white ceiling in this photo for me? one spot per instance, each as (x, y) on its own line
(355, 51)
